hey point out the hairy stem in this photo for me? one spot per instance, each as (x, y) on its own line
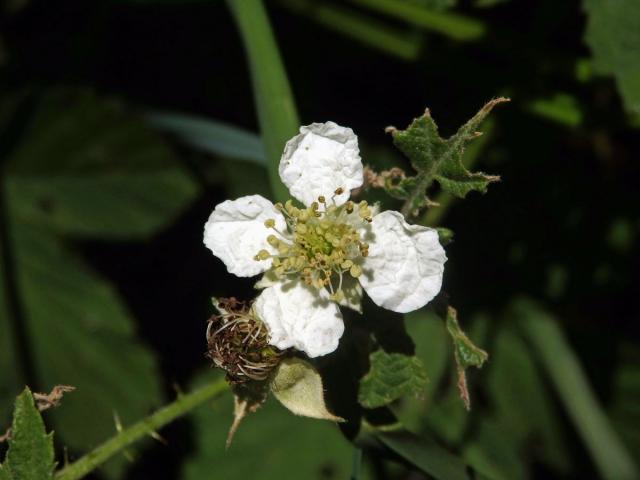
(145, 427)
(419, 191)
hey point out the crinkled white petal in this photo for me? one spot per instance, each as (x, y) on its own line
(300, 317)
(404, 268)
(235, 233)
(323, 157)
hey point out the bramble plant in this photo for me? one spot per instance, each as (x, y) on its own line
(321, 256)
(340, 325)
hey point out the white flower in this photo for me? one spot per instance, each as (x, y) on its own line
(330, 250)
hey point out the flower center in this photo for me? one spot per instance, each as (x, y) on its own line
(321, 243)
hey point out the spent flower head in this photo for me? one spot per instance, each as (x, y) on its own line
(238, 342)
(326, 252)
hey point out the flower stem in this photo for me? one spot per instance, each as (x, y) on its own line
(147, 426)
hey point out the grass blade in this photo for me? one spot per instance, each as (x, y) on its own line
(277, 113)
(211, 136)
(608, 452)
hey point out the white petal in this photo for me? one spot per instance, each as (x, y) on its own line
(404, 268)
(352, 294)
(235, 233)
(323, 157)
(300, 317)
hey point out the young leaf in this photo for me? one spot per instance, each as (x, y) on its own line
(435, 158)
(466, 354)
(30, 455)
(298, 386)
(392, 376)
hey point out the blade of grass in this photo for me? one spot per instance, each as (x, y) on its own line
(375, 34)
(277, 113)
(609, 454)
(451, 25)
(211, 136)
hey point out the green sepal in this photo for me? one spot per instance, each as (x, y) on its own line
(465, 352)
(298, 386)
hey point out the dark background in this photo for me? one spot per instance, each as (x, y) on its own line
(563, 187)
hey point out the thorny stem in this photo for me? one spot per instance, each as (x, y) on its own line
(145, 427)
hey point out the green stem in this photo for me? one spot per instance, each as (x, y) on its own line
(607, 450)
(418, 191)
(277, 113)
(145, 427)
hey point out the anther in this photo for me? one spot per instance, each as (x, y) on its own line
(262, 255)
(355, 271)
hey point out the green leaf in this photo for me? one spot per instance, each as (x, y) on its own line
(466, 354)
(435, 158)
(609, 454)
(87, 167)
(271, 444)
(298, 386)
(391, 376)
(613, 33)
(80, 334)
(426, 455)
(30, 454)
(211, 136)
(274, 101)
(5, 474)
